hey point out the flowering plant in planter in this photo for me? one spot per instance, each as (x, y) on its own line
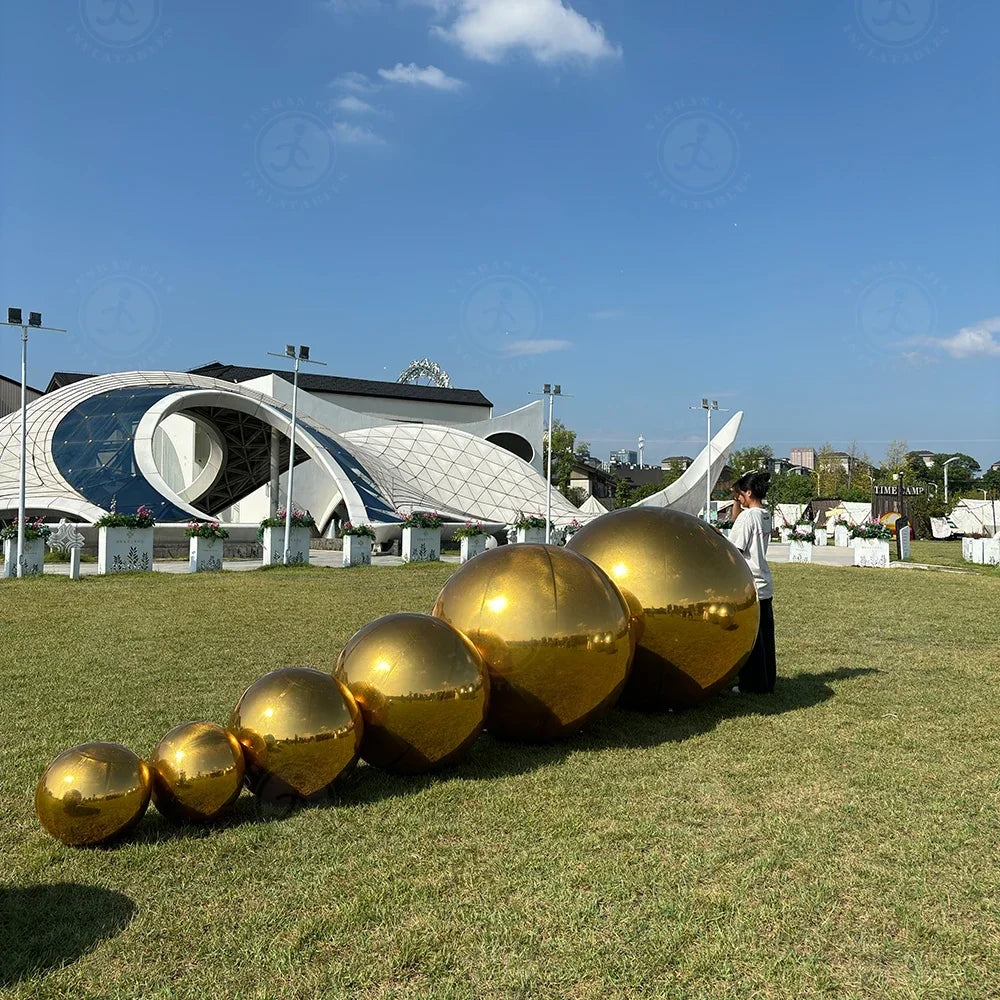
(803, 533)
(420, 519)
(838, 522)
(298, 519)
(205, 529)
(32, 529)
(361, 530)
(142, 518)
(471, 529)
(529, 521)
(875, 531)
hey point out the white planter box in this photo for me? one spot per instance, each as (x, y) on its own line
(871, 552)
(357, 550)
(841, 537)
(821, 536)
(991, 551)
(34, 556)
(967, 549)
(471, 547)
(125, 550)
(534, 536)
(421, 544)
(800, 552)
(298, 545)
(205, 554)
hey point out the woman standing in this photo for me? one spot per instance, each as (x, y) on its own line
(751, 533)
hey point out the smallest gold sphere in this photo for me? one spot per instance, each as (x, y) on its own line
(92, 793)
(198, 771)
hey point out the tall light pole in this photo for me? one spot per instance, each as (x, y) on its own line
(300, 356)
(551, 391)
(708, 407)
(35, 323)
(954, 458)
(642, 445)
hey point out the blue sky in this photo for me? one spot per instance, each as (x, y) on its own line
(790, 207)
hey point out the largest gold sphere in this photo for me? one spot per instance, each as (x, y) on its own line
(197, 771)
(553, 630)
(92, 793)
(422, 689)
(700, 604)
(300, 730)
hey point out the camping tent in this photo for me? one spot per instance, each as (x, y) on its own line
(592, 506)
(787, 514)
(976, 517)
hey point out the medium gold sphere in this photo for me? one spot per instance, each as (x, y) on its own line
(197, 770)
(700, 605)
(422, 689)
(300, 730)
(553, 630)
(92, 793)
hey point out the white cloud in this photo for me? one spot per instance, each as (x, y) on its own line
(520, 347)
(551, 31)
(414, 75)
(355, 82)
(355, 106)
(356, 135)
(976, 341)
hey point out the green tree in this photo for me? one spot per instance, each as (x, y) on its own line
(673, 472)
(829, 477)
(565, 452)
(750, 459)
(623, 493)
(991, 481)
(897, 462)
(790, 487)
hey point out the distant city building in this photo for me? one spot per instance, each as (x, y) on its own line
(926, 456)
(624, 457)
(805, 457)
(676, 461)
(10, 395)
(780, 465)
(842, 459)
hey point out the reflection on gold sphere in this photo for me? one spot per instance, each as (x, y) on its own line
(701, 610)
(197, 771)
(553, 631)
(422, 689)
(300, 730)
(92, 793)
(636, 615)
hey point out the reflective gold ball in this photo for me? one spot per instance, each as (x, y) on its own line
(300, 730)
(422, 689)
(92, 793)
(700, 604)
(197, 771)
(554, 633)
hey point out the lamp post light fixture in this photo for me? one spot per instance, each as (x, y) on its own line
(298, 356)
(948, 461)
(551, 391)
(14, 318)
(708, 407)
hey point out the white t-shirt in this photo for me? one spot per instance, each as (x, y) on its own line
(751, 533)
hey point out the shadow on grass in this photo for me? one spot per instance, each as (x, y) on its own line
(491, 758)
(43, 927)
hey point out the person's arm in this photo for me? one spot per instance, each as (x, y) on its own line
(740, 535)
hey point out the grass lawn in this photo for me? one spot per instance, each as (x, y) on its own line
(945, 552)
(838, 839)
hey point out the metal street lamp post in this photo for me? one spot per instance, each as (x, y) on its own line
(551, 391)
(948, 462)
(35, 323)
(708, 407)
(300, 356)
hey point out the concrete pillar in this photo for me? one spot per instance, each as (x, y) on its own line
(275, 469)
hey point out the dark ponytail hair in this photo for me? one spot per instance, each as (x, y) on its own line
(754, 483)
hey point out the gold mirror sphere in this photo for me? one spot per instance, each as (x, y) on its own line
(197, 771)
(700, 609)
(300, 730)
(422, 689)
(553, 631)
(92, 793)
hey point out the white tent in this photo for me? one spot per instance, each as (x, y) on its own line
(974, 517)
(592, 506)
(786, 515)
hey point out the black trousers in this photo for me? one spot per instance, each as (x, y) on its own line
(760, 671)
